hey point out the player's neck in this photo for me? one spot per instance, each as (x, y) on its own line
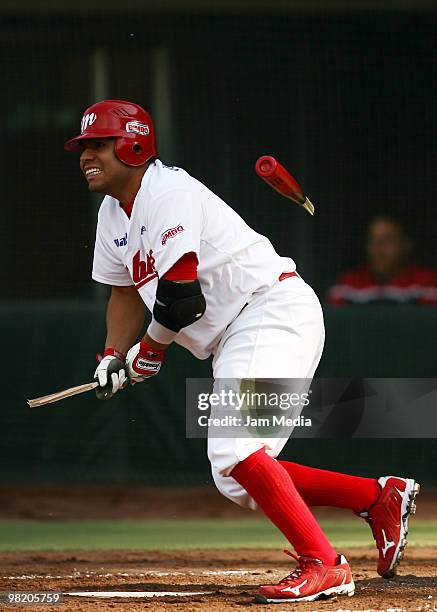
(128, 191)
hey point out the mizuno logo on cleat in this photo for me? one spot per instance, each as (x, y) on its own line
(295, 590)
(387, 544)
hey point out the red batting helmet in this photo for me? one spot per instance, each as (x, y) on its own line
(128, 123)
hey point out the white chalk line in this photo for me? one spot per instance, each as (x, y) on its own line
(137, 594)
(425, 608)
(153, 573)
(227, 572)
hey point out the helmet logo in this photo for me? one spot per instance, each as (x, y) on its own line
(87, 120)
(139, 128)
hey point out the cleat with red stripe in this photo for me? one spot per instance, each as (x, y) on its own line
(309, 581)
(388, 519)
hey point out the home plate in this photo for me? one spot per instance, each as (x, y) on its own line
(140, 594)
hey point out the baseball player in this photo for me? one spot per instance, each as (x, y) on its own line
(217, 287)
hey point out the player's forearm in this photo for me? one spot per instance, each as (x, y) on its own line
(124, 318)
(155, 345)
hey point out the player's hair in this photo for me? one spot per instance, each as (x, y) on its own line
(394, 220)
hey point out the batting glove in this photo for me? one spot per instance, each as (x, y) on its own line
(143, 361)
(110, 374)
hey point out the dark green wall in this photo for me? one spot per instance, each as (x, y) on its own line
(140, 434)
(344, 101)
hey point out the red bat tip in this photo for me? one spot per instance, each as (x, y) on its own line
(280, 179)
(265, 166)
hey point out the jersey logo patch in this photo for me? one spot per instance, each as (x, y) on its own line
(121, 241)
(169, 233)
(143, 271)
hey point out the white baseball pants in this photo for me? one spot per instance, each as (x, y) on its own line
(279, 334)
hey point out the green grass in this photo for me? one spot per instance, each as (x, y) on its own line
(176, 534)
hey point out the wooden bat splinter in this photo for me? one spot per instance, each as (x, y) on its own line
(60, 395)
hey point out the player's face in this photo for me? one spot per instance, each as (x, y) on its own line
(104, 172)
(387, 248)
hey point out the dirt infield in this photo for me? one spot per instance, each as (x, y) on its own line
(57, 502)
(226, 580)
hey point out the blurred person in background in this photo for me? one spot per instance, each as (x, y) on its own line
(390, 274)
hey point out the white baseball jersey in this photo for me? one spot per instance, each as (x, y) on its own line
(174, 214)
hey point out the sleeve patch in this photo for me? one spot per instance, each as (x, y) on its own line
(170, 233)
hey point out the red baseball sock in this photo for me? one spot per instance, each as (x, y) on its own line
(325, 488)
(273, 490)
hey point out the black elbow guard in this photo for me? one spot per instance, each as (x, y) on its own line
(178, 304)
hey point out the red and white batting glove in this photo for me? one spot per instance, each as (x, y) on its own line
(143, 361)
(110, 374)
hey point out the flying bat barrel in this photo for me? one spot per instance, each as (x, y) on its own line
(275, 175)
